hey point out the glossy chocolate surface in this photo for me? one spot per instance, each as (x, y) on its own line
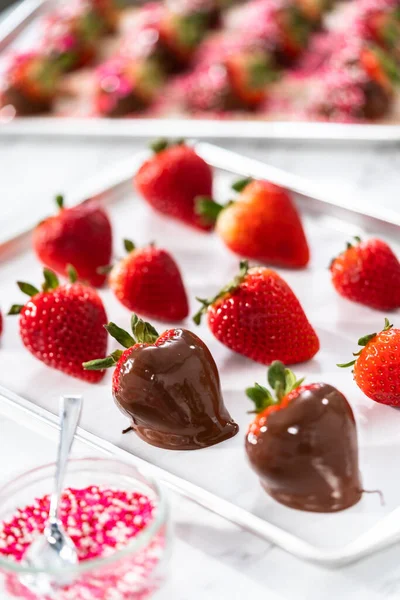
(307, 454)
(172, 394)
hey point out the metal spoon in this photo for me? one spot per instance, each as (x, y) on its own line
(54, 549)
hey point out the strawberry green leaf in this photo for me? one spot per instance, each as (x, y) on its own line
(72, 274)
(363, 341)
(282, 381)
(159, 145)
(129, 245)
(239, 185)
(261, 397)
(103, 363)
(207, 208)
(231, 287)
(276, 376)
(27, 288)
(345, 365)
(50, 280)
(15, 309)
(60, 201)
(143, 332)
(119, 334)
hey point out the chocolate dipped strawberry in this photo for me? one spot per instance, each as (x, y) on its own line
(168, 386)
(303, 443)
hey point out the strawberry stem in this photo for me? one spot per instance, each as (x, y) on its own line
(282, 381)
(207, 208)
(239, 185)
(27, 288)
(72, 274)
(129, 245)
(15, 309)
(363, 341)
(235, 283)
(144, 333)
(60, 201)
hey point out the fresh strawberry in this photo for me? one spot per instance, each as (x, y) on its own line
(168, 386)
(63, 325)
(263, 224)
(148, 281)
(259, 316)
(171, 180)
(368, 273)
(301, 432)
(377, 366)
(80, 236)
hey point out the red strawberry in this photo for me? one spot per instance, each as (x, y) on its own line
(80, 236)
(63, 325)
(259, 316)
(168, 386)
(368, 273)
(304, 431)
(171, 180)
(377, 365)
(262, 224)
(148, 281)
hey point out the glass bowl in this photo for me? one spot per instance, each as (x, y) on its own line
(133, 572)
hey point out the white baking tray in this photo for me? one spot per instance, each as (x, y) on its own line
(17, 29)
(219, 477)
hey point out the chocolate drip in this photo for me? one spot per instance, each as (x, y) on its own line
(307, 454)
(172, 394)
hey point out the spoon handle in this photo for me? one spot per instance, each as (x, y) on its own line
(70, 410)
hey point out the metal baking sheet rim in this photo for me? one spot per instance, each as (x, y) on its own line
(201, 128)
(387, 531)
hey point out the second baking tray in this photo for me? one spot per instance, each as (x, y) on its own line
(219, 477)
(19, 29)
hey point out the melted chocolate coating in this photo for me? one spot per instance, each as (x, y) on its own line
(24, 104)
(125, 106)
(307, 455)
(172, 394)
(377, 101)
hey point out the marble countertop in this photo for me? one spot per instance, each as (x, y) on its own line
(212, 559)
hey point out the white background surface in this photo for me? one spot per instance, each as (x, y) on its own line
(208, 564)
